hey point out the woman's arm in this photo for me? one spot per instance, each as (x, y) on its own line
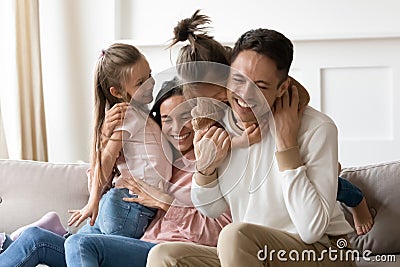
(197, 227)
(191, 223)
(147, 195)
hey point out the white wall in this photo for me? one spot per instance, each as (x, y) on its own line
(311, 19)
(73, 32)
(347, 54)
(327, 35)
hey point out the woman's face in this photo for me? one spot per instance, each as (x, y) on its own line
(176, 123)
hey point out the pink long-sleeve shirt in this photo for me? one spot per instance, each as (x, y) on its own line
(183, 222)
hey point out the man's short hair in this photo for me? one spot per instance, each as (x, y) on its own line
(269, 43)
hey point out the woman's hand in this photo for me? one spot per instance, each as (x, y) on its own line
(114, 117)
(287, 116)
(90, 210)
(211, 148)
(147, 195)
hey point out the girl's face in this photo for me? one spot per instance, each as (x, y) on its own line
(176, 123)
(140, 85)
(208, 90)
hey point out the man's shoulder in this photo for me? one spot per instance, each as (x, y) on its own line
(315, 116)
(313, 119)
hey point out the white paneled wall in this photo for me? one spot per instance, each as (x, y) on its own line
(357, 83)
(346, 54)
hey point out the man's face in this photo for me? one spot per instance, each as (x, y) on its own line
(246, 99)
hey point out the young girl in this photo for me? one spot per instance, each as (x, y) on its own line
(134, 150)
(192, 68)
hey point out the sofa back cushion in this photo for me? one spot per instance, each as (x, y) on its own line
(29, 189)
(380, 184)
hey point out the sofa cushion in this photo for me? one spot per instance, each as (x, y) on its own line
(380, 184)
(29, 189)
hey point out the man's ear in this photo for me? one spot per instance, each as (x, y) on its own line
(283, 87)
(115, 92)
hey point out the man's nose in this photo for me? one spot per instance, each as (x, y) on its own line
(246, 91)
(176, 127)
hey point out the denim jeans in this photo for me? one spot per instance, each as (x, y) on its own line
(34, 246)
(348, 193)
(89, 250)
(39, 246)
(118, 217)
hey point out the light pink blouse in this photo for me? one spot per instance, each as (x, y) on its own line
(183, 222)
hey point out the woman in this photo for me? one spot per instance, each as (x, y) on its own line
(176, 219)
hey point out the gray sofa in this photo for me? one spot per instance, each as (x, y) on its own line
(381, 185)
(29, 189)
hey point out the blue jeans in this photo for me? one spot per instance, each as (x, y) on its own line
(34, 246)
(348, 193)
(118, 217)
(106, 250)
(39, 246)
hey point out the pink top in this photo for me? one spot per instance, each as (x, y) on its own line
(146, 154)
(183, 222)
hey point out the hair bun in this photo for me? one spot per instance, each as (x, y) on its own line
(182, 30)
(190, 26)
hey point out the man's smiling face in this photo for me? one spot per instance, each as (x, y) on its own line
(245, 99)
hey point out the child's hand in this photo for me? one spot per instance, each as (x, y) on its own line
(250, 135)
(211, 148)
(89, 211)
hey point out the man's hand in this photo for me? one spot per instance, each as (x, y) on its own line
(287, 116)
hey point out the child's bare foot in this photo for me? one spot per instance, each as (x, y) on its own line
(363, 220)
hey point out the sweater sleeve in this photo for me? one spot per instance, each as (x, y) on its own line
(197, 227)
(310, 190)
(208, 199)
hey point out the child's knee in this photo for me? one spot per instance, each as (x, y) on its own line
(35, 234)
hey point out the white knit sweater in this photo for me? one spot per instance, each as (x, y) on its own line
(300, 201)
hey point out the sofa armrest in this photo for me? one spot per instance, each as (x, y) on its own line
(380, 184)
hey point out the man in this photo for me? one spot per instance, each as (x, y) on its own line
(282, 190)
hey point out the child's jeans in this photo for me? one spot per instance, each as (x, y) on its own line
(118, 217)
(348, 193)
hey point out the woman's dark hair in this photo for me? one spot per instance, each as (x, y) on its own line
(269, 43)
(168, 89)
